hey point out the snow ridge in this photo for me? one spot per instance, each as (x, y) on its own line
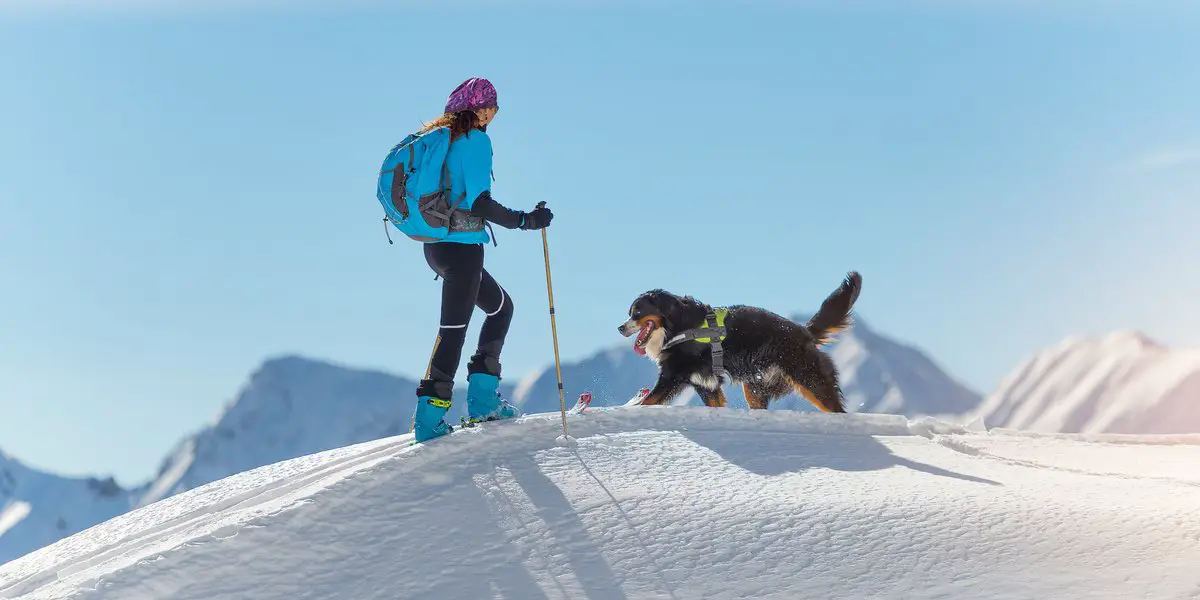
(663, 502)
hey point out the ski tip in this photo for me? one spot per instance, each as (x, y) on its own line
(641, 395)
(585, 400)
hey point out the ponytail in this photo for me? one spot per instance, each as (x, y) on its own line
(460, 123)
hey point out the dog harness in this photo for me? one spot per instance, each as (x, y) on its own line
(712, 332)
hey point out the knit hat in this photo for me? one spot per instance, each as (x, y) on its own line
(472, 94)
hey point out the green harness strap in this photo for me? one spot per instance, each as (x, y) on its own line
(712, 332)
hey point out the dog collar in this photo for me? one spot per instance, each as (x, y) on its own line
(712, 332)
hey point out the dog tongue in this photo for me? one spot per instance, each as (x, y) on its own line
(639, 342)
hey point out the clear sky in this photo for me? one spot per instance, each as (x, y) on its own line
(187, 191)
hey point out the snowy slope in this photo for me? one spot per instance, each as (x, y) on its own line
(665, 502)
(38, 508)
(1120, 383)
(879, 375)
(291, 406)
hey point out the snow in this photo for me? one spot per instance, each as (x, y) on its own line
(172, 473)
(12, 514)
(665, 502)
(38, 508)
(292, 406)
(1119, 383)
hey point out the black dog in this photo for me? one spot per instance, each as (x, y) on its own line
(767, 353)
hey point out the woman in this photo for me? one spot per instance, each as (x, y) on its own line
(459, 261)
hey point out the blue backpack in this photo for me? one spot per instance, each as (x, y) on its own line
(414, 189)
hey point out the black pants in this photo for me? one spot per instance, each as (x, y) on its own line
(465, 285)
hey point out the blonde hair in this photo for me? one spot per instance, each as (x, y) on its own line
(459, 123)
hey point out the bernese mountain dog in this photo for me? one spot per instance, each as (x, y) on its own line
(768, 354)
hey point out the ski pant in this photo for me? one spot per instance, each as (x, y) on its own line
(465, 285)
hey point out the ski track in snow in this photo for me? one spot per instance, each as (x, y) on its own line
(665, 502)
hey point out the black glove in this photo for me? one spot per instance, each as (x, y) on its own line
(538, 219)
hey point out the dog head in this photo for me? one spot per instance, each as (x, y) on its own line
(654, 316)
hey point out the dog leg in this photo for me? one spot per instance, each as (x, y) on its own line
(753, 400)
(667, 387)
(816, 379)
(713, 398)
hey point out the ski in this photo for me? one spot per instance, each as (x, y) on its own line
(463, 423)
(585, 400)
(641, 395)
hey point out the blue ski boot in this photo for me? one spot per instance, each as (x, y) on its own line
(483, 399)
(427, 422)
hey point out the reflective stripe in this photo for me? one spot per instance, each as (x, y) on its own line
(453, 326)
(719, 317)
(502, 296)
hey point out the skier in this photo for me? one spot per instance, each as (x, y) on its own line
(458, 260)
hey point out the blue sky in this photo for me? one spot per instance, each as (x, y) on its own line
(186, 191)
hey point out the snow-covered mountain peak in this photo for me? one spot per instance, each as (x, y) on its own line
(1130, 339)
(1115, 342)
(883, 375)
(291, 406)
(1121, 382)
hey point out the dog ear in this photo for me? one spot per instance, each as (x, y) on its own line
(673, 313)
(654, 298)
(691, 311)
(643, 299)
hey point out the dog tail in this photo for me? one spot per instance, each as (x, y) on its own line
(835, 314)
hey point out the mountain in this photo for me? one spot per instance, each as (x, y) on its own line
(1123, 382)
(38, 508)
(291, 406)
(878, 375)
(646, 503)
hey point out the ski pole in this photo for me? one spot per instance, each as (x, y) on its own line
(554, 331)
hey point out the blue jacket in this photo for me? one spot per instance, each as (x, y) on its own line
(469, 162)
